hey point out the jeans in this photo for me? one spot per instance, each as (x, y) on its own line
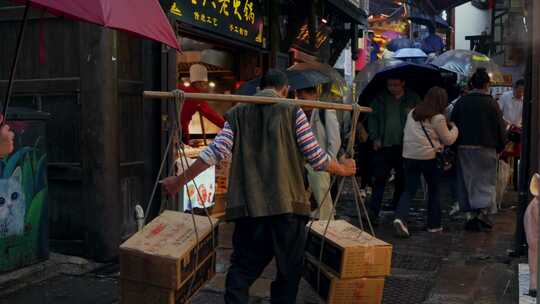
(383, 162)
(256, 241)
(452, 176)
(413, 169)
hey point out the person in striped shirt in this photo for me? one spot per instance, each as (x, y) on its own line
(221, 148)
(267, 201)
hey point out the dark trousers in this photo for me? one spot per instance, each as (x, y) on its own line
(256, 241)
(413, 169)
(383, 162)
(362, 157)
(452, 177)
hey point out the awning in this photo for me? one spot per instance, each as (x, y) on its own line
(442, 5)
(418, 17)
(429, 6)
(386, 7)
(350, 10)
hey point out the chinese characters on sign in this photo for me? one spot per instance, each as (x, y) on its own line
(239, 19)
(322, 36)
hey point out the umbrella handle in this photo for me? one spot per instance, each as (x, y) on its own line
(15, 61)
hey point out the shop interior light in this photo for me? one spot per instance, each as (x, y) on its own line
(324, 21)
(212, 84)
(187, 84)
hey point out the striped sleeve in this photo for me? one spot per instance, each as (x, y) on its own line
(220, 148)
(316, 157)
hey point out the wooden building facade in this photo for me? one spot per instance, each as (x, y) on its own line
(104, 143)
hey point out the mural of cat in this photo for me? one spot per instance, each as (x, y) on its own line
(12, 205)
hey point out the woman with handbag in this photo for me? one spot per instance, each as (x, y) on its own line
(427, 131)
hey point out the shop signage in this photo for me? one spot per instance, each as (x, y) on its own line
(238, 19)
(322, 36)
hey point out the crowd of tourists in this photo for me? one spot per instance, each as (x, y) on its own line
(415, 142)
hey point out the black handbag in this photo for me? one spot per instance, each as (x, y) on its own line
(446, 158)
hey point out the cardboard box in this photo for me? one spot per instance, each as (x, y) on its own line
(343, 291)
(142, 293)
(222, 176)
(163, 253)
(348, 251)
(220, 205)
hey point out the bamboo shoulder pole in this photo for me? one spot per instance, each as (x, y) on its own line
(257, 100)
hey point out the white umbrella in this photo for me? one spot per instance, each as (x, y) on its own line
(410, 53)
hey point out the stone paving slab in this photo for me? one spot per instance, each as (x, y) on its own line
(66, 289)
(454, 267)
(524, 280)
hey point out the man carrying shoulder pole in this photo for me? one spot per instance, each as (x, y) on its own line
(267, 201)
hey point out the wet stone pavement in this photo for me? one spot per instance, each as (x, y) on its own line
(450, 267)
(453, 267)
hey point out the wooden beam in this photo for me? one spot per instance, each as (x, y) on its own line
(15, 13)
(130, 87)
(43, 86)
(257, 100)
(100, 142)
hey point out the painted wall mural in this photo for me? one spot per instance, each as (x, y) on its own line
(23, 207)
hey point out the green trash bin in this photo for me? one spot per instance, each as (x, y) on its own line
(23, 193)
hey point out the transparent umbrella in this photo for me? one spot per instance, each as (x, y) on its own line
(410, 53)
(336, 90)
(465, 63)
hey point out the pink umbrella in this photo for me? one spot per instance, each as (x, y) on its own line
(144, 18)
(391, 35)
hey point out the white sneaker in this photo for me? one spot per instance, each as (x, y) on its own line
(363, 196)
(392, 176)
(369, 191)
(435, 230)
(454, 209)
(401, 229)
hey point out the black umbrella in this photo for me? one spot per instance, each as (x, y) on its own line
(399, 43)
(298, 79)
(249, 88)
(364, 77)
(418, 78)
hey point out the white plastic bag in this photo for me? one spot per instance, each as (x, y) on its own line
(503, 175)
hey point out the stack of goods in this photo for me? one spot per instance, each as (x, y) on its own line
(353, 267)
(164, 263)
(221, 181)
(193, 152)
(222, 186)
